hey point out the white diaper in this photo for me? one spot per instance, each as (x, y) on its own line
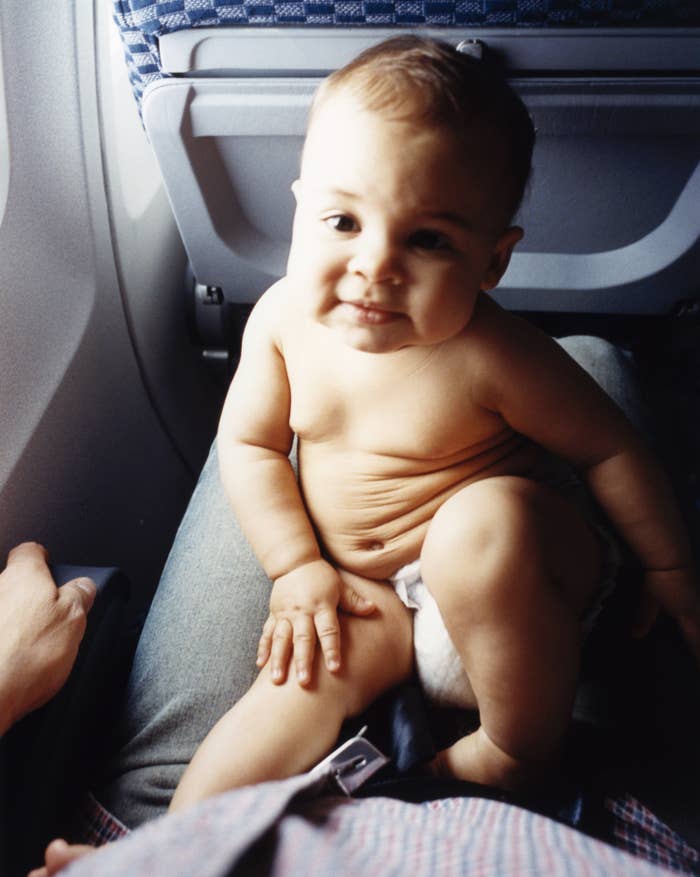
(438, 664)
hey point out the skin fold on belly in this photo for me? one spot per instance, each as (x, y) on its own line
(372, 518)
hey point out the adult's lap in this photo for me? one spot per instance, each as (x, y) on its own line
(196, 655)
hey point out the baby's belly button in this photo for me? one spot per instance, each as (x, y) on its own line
(375, 545)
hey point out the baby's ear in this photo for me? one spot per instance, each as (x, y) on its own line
(501, 257)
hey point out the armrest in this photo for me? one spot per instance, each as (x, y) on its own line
(47, 760)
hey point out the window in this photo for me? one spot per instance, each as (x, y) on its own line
(4, 146)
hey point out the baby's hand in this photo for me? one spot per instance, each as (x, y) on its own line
(303, 608)
(678, 593)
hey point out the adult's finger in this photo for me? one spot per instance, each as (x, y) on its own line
(59, 854)
(81, 591)
(28, 552)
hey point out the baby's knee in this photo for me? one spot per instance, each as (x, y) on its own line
(479, 540)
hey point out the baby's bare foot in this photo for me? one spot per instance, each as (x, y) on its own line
(476, 759)
(59, 854)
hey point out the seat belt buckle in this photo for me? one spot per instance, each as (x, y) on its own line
(350, 765)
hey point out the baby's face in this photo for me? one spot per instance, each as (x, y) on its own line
(395, 233)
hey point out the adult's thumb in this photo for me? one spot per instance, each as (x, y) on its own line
(82, 591)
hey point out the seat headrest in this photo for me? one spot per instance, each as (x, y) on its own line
(143, 22)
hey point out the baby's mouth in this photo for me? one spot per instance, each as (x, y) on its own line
(368, 313)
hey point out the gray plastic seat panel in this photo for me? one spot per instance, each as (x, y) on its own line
(612, 220)
(271, 51)
(229, 151)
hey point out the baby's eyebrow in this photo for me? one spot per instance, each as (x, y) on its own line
(331, 191)
(450, 217)
(342, 193)
(426, 215)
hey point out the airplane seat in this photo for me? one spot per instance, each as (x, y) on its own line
(142, 23)
(611, 220)
(612, 230)
(612, 227)
(612, 244)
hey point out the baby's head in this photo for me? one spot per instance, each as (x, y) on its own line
(430, 84)
(415, 161)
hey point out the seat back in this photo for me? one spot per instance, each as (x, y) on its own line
(611, 219)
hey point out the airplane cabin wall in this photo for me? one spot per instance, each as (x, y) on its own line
(100, 416)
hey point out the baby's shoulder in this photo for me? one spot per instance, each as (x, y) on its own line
(501, 349)
(271, 314)
(268, 306)
(497, 335)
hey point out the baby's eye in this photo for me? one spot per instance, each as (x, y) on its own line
(341, 223)
(429, 239)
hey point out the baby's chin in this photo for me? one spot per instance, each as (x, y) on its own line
(386, 338)
(370, 341)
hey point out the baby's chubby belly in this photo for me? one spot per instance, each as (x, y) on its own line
(372, 512)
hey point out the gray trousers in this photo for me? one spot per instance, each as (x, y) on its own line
(196, 655)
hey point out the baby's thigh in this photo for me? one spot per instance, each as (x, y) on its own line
(377, 650)
(504, 532)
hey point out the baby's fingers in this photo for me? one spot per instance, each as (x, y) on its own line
(646, 615)
(353, 602)
(328, 630)
(689, 624)
(265, 642)
(677, 591)
(304, 647)
(281, 650)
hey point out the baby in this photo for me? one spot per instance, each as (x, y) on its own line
(433, 431)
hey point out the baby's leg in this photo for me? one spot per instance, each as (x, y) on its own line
(276, 731)
(512, 566)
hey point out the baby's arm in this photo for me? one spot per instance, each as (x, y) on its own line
(254, 440)
(558, 405)
(638, 499)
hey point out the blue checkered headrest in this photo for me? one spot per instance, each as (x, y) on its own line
(142, 22)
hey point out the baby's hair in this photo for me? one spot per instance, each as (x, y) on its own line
(427, 81)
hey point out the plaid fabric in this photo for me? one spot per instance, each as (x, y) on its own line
(637, 830)
(456, 836)
(96, 825)
(142, 22)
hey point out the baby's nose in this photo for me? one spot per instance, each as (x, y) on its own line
(378, 261)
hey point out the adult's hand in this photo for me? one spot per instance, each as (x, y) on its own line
(59, 854)
(40, 630)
